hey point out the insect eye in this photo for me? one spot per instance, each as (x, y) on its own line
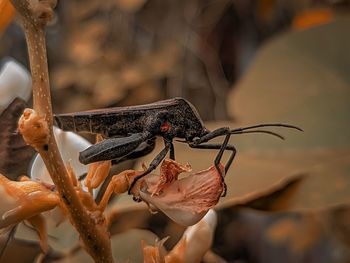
(165, 127)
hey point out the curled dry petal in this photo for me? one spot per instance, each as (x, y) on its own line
(23, 200)
(169, 172)
(33, 128)
(184, 200)
(98, 172)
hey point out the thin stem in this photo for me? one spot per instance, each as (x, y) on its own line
(35, 14)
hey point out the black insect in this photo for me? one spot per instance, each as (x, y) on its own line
(130, 132)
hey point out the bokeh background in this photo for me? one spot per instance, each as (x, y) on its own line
(240, 62)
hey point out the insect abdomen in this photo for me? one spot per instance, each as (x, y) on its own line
(108, 125)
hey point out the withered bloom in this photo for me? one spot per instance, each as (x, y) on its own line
(184, 200)
(193, 245)
(23, 200)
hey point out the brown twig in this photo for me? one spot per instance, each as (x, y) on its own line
(35, 14)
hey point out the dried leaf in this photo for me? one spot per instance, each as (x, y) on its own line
(15, 155)
(327, 186)
(300, 78)
(264, 199)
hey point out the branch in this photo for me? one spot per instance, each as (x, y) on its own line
(36, 128)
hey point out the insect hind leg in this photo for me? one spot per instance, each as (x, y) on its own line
(112, 148)
(222, 147)
(143, 149)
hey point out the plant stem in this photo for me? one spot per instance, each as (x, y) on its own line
(34, 16)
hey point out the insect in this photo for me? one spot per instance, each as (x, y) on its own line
(130, 132)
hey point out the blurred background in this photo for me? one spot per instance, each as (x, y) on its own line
(240, 62)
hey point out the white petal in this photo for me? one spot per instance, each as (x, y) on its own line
(15, 81)
(199, 237)
(69, 144)
(203, 229)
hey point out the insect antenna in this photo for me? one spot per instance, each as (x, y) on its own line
(249, 129)
(257, 131)
(239, 131)
(267, 125)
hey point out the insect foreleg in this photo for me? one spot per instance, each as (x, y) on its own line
(153, 165)
(112, 148)
(172, 151)
(218, 157)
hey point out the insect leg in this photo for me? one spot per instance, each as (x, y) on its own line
(172, 151)
(217, 160)
(112, 148)
(224, 146)
(153, 165)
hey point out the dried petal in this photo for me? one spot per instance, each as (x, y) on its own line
(34, 128)
(169, 172)
(23, 200)
(186, 200)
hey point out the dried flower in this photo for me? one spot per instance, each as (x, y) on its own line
(184, 200)
(23, 200)
(33, 128)
(195, 241)
(191, 248)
